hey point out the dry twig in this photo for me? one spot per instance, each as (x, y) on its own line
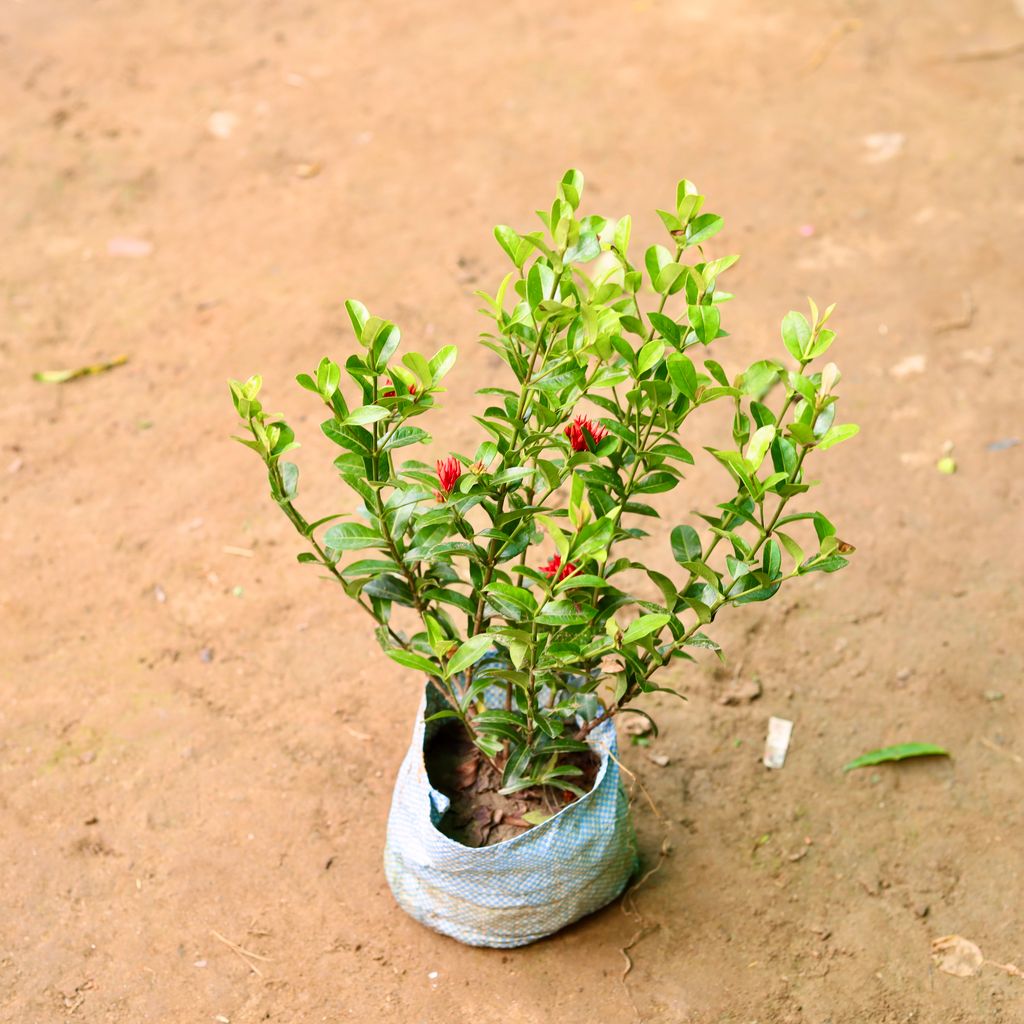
(245, 955)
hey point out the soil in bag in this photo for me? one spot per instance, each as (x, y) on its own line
(479, 815)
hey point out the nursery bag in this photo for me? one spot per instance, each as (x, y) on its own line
(522, 889)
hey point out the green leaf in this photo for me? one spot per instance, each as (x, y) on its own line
(686, 545)
(469, 654)
(623, 230)
(289, 479)
(539, 283)
(649, 356)
(705, 321)
(656, 257)
(419, 365)
(352, 537)
(683, 374)
(758, 447)
(442, 362)
(821, 343)
(410, 660)
(796, 333)
(666, 327)
(644, 626)
(518, 597)
(838, 434)
(358, 314)
(402, 436)
(565, 613)
(899, 752)
(510, 241)
(586, 249)
(703, 227)
(366, 414)
(793, 549)
(577, 581)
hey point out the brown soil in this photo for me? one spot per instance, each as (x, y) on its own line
(479, 814)
(198, 737)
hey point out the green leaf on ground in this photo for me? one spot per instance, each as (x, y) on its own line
(899, 752)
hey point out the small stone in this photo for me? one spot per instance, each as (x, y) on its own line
(904, 674)
(661, 760)
(741, 693)
(909, 365)
(159, 593)
(129, 248)
(882, 146)
(221, 123)
(994, 695)
(922, 910)
(636, 725)
(206, 655)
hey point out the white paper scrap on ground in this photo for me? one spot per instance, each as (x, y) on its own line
(775, 747)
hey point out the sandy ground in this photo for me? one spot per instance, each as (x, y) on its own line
(197, 746)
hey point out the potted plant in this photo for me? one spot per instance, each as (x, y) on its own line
(503, 576)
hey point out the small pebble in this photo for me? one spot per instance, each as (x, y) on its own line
(206, 655)
(221, 123)
(909, 365)
(129, 248)
(993, 695)
(882, 146)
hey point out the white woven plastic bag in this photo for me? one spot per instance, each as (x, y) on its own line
(520, 890)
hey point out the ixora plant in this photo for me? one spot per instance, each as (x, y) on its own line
(504, 575)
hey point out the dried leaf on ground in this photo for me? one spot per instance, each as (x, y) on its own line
(63, 376)
(953, 954)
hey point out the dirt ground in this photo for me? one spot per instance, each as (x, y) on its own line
(197, 748)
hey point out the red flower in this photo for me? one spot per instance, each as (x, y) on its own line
(390, 393)
(584, 434)
(554, 568)
(448, 472)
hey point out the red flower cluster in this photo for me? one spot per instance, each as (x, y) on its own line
(448, 472)
(584, 434)
(390, 393)
(554, 568)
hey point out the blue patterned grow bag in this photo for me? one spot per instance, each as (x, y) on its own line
(520, 890)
